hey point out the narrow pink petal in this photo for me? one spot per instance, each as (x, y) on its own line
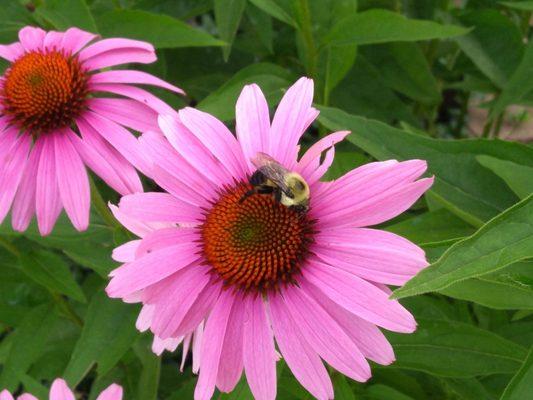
(126, 252)
(193, 151)
(186, 285)
(135, 77)
(322, 167)
(24, 202)
(47, 199)
(214, 333)
(72, 180)
(163, 238)
(310, 161)
(290, 121)
(12, 165)
(60, 391)
(173, 173)
(120, 138)
(150, 269)
(160, 345)
(111, 52)
(11, 52)
(27, 396)
(52, 40)
(75, 39)
(302, 360)
(186, 345)
(230, 369)
(159, 207)
(358, 296)
(144, 320)
(130, 113)
(199, 310)
(326, 337)
(368, 338)
(371, 254)
(252, 122)
(5, 395)
(113, 392)
(217, 138)
(197, 347)
(32, 38)
(106, 161)
(259, 353)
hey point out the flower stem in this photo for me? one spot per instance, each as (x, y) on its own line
(101, 207)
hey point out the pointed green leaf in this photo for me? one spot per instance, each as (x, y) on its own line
(63, 14)
(518, 177)
(521, 385)
(228, 16)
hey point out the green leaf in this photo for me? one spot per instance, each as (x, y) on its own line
(404, 68)
(455, 349)
(461, 185)
(162, 31)
(495, 44)
(63, 14)
(262, 24)
(468, 389)
(518, 177)
(339, 61)
(526, 5)
(381, 26)
(28, 342)
(506, 239)
(51, 271)
(273, 9)
(228, 16)
(108, 332)
(343, 391)
(271, 78)
(520, 386)
(432, 226)
(151, 370)
(507, 289)
(518, 85)
(384, 392)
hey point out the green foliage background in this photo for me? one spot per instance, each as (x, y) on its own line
(400, 74)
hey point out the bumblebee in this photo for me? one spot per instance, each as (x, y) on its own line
(287, 187)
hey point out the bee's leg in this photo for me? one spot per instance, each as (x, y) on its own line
(246, 195)
(277, 195)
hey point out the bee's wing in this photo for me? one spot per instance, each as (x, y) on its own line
(272, 170)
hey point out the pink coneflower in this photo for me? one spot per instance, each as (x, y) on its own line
(53, 122)
(262, 275)
(60, 391)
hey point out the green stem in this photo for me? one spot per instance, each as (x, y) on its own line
(101, 206)
(486, 129)
(67, 309)
(498, 125)
(9, 247)
(307, 35)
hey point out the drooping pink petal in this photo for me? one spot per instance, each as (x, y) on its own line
(32, 38)
(126, 252)
(5, 395)
(186, 285)
(47, 199)
(197, 347)
(106, 161)
(186, 345)
(120, 138)
(144, 320)
(192, 150)
(60, 391)
(150, 269)
(231, 365)
(365, 335)
(52, 40)
(11, 52)
(213, 339)
(24, 202)
(27, 396)
(252, 122)
(130, 76)
(160, 345)
(159, 207)
(139, 228)
(12, 165)
(325, 336)
(372, 254)
(259, 353)
(359, 297)
(290, 121)
(173, 173)
(135, 93)
(113, 392)
(75, 39)
(110, 52)
(130, 113)
(303, 361)
(217, 138)
(72, 180)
